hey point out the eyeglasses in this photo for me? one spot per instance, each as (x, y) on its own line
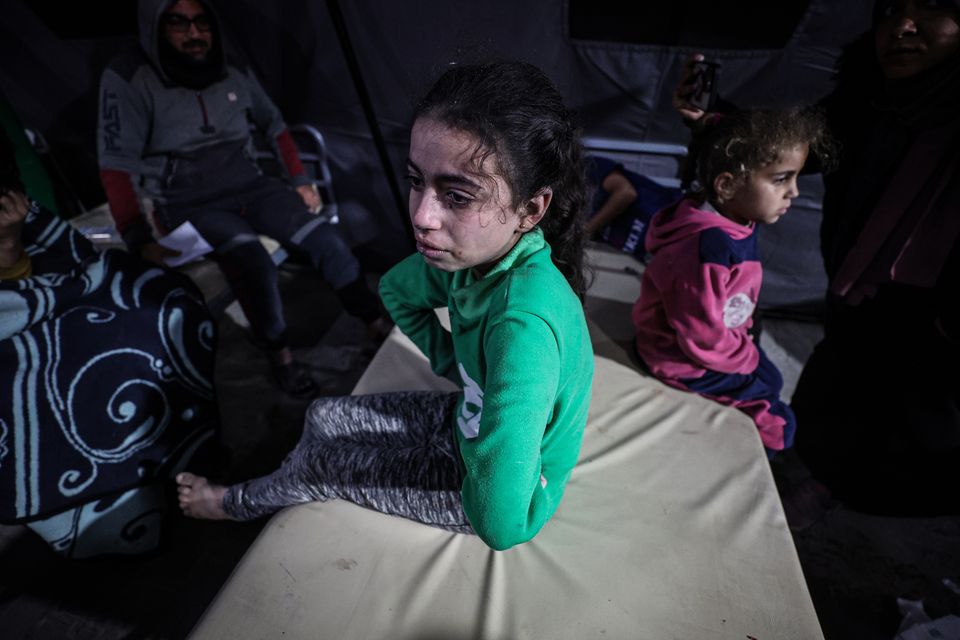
(179, 23)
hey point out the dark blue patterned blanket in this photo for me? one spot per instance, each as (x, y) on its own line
(106, 370)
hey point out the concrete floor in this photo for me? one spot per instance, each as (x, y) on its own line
(856, 565)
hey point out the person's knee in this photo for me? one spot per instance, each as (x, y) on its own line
(247, 259)
(331, 255)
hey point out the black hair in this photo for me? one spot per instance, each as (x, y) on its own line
(750, 139)
(519, 118)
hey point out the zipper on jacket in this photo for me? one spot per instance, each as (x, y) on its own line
(207, 127)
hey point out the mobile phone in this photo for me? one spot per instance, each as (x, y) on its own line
(703, 78)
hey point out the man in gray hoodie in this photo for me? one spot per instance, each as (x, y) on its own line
(174, 126)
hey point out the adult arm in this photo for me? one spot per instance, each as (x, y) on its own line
(124, 120)
(136, 234)
(411, 291)
(123, 123)
(268, 119)
(287, 150)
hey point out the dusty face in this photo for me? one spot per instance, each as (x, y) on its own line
(768, 192)
(187, 27)
(912, 36)
(461, 213)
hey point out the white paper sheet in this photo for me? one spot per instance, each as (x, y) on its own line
(188, 241)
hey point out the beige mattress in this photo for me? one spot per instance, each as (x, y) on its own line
(670, 528)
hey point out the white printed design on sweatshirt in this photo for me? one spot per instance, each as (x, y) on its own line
(472, 406)
(737, 310)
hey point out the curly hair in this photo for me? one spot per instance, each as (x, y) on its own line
(519, 118)
(750, 139)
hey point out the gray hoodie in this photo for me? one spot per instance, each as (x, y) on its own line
(178, 143)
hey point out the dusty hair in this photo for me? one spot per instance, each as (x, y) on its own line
(748, 140)
(519, 117)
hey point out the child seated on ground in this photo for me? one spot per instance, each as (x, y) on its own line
(701, 287)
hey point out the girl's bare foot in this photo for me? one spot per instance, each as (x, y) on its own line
(200, 499)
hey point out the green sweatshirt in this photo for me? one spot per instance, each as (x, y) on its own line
(520, 349)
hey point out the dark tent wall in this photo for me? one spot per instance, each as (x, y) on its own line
(51, 83)
(621, 90)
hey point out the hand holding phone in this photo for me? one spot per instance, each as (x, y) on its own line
(703, 84)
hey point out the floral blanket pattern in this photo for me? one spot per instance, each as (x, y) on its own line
(106, 370)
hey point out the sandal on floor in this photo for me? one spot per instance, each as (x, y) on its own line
(295, 380)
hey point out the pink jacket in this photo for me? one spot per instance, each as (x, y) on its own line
(698, 294)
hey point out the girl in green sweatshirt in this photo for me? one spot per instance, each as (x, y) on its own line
(497, 195)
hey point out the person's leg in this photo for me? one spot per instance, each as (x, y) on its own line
(393, 453)
(300, 231)
(252, 276)
(758, 395)
(245, 263)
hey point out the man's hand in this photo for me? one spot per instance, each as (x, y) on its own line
(685, 89)
(311, 197)
(157, 253)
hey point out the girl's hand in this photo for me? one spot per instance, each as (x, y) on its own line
(13, 210)
(685, 89)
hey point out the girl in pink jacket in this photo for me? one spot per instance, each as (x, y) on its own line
(701, 287)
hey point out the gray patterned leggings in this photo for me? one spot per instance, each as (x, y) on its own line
(391, 452)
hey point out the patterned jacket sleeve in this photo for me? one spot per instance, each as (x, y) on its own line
(123, 123)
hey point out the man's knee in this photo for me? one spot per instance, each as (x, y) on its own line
(245, 259)
(331, 254)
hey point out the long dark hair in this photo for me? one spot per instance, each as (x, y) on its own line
(519, 116)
